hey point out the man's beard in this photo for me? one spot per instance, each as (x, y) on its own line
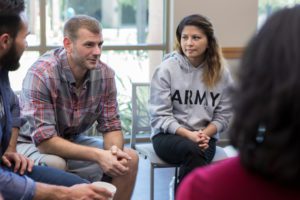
(10, 61)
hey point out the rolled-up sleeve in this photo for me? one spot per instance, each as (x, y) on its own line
(13, 186)
(109, 119)
(37, 108)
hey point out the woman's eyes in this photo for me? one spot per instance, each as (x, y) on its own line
(193, 37)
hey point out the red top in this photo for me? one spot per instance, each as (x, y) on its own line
(229, 180)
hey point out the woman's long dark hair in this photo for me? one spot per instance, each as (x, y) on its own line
(266, 127)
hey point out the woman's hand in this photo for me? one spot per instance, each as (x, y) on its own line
(204, 140)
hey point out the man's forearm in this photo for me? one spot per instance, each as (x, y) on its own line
(45, 191)
(113, 138)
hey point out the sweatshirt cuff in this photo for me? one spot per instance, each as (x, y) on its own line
(218, 125)
(173, 127)
(30, 189)
(17, 122)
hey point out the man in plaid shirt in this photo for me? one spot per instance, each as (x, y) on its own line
(64, 92)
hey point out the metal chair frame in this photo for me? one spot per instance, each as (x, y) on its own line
(146, 149)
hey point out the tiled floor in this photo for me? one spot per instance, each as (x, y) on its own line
(162, 178)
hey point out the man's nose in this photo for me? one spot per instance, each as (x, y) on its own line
(97, 50)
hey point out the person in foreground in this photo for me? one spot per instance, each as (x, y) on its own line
(189, 103)
(19, 179)
(265, 128)
(64, 93)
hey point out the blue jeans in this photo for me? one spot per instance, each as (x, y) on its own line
(53, 176)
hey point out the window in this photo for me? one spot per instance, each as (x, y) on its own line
(128, 26)
(267, 7)
(133, 30)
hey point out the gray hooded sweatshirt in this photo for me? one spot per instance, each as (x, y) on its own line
(178, 98)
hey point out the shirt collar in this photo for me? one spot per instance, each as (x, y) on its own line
(67, 70)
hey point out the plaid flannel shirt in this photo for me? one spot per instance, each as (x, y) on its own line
(52, 106)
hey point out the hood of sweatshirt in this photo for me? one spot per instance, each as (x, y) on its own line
(183, 61)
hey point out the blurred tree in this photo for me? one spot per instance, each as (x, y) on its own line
(266, 7)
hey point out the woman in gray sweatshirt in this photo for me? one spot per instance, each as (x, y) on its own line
(189, 99)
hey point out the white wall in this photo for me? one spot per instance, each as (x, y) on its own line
(234, 20)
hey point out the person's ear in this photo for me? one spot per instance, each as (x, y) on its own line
(68, 44)
(5, 41)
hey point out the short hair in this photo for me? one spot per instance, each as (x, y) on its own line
(265, 128)
(10, 20)
(81, 21)
(213, 55)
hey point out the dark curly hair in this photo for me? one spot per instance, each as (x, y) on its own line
(267, 100)
(213, 56)
(10, 20)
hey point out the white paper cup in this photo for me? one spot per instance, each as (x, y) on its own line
(108, 186)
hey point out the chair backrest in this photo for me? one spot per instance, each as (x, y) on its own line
(140, 114)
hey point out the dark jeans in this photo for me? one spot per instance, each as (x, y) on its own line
(175, 149)
(53, 176)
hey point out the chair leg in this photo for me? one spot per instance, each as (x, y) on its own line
(175, 181)
(151, 182)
